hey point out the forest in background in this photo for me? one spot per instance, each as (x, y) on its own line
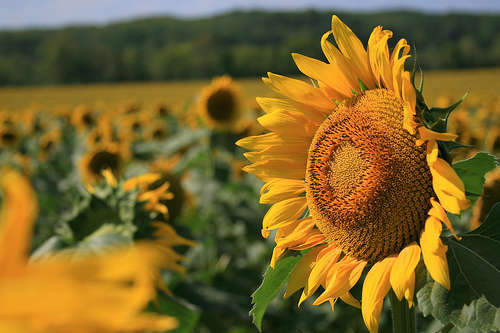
(239, 43)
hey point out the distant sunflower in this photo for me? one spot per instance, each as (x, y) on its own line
(9, 136)
(489, 197)
(48, 142)
(156, 131)
(352, 151)
(220, 103)
(83, 118)
(104, 156)
(162, 110)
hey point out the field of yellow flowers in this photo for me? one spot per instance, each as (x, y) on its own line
(125, 208)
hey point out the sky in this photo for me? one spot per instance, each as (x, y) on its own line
(15, 14)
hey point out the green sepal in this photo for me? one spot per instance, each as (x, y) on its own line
(362, 86)
(436, 119)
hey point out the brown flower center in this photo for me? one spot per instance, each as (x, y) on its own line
(103, 160)
(221, 105)
(368, 184)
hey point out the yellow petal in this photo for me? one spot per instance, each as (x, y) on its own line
(434, 252)
(279, 189)
(346, 74)
(269, 104)
(438, 212)
(409, 99)
(284, 212)
(300, 91)
(352, 48)
(427, 134)
(448, 187)
(19, 211)
(349, 299)
(375, 287)
(378, 54)
(259, 142)
(344, 276)
(289, 123)
(301, 272)
(277, 168)
(325, 73)
(403, 272)
(327, 258)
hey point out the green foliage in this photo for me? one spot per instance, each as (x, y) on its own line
(474, 299)
(472, 171)
(274, 280)
(186, 314)
(241, 44)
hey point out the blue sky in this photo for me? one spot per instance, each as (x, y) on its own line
(24, 13)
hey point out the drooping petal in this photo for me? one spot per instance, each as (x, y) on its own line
(300, 273)
(434, 252)
(344, 275)
(438, 212)
(375, 287)
(327, 258)
(448, 187)
(403, 272)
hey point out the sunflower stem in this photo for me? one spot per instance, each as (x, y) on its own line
(403, 317)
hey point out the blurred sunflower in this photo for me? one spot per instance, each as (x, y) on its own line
(162, 110)
(60, 294)
(83, 118)
(180, 197)
(48, 142)
(353, 174)
(489, 197)
(106, 155)
(220, 104)
(9, 136)
(155, 131)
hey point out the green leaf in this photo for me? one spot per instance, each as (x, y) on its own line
(474, 298)
(187, 315)
(472, 171)
(274, 280)
(479, 315)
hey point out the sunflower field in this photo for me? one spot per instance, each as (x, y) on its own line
(355, 197)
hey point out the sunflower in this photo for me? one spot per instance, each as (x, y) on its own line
(220, 104)
(107, 155)
(47, 143)
(353, 174)
(83, 118)
(103, 293)
(9, 136)
(489, 197)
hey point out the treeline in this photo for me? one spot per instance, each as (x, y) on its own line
(237, 43)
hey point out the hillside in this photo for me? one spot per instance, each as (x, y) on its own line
(242, 44)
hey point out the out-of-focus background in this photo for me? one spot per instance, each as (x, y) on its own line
(81, 42)
(126, 86)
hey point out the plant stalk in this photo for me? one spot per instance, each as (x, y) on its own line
(403, 317)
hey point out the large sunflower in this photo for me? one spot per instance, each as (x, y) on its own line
(354, 174)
